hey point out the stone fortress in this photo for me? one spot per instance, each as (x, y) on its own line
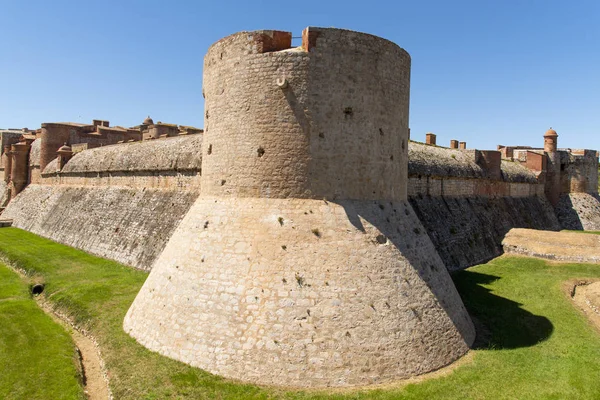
(302, 238)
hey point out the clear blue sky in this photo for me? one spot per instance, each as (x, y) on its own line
(487, 72)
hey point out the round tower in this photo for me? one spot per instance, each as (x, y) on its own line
(552, 186)
(302, 263)
(305, 122)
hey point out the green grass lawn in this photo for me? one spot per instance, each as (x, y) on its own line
(537, 344)
(37, 356)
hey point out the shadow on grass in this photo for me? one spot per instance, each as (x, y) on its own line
(501, 323)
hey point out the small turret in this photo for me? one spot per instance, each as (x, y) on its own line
(148, 121)
(550, 141)
(64, 155)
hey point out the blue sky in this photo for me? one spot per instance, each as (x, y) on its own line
(486, 72)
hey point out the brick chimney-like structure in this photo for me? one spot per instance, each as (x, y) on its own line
(430, 138)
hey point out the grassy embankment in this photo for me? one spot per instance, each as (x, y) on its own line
(538, 345)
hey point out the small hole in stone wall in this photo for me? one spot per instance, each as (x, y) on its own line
(223, 181)
(116, 229)
(209, 152)
(416, 230)
(348, 111)
(381, 206)
(37, 289)
(391, 158)
(284, 280)
(381, 239)
(322, 135)
(299, 280)
(206, 225)
(206, 114)
(348, 334)
(381, 131)
(406, 211)
(316, 232)
(403, 145)
(284, 247)
(308, 312)
(260, 151)
(280, 220)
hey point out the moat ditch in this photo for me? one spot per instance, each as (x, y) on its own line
(91, 365)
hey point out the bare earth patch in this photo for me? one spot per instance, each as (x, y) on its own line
(586, 295)
(559, 246)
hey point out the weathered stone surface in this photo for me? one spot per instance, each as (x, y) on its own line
(469, 230)
(560, 246)
(131, 226)
(338, 130)
(579, 211)
(440, 162)
(181, 153)
(302, 293)
(4, 193)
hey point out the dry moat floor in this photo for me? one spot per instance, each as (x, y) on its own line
(534, 342)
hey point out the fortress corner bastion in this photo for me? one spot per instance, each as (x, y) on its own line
(302, 263)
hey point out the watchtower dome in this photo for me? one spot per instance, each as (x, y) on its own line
(302, 263)
(550, 141)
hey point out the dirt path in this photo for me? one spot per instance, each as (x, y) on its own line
(95, 379)
(94, 376)
(587, 297)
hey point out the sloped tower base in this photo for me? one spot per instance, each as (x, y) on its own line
(302, 292)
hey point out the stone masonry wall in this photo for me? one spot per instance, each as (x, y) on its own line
(4, 193)
(579, 211)
(467, 213)
(169, 163)
(121, 202)
(469, 230)
(302, 293)
(131, 226)
(344, 124)
(579, 171)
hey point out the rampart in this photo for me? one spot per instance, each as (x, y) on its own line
(121, 202)
(469, 199)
